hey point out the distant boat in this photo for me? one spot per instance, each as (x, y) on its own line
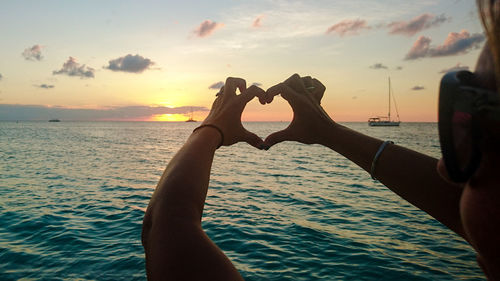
(385, 121)
(191, 117)
(54, 120)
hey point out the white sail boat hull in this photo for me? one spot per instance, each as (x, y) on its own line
(384, 123)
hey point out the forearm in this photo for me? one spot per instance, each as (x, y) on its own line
(410, 174)
(182, 189)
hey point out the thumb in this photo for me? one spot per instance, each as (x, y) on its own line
(278, 137)
(253, 140)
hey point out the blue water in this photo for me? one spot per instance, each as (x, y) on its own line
(73, 195)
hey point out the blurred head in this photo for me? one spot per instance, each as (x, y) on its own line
(480, 201)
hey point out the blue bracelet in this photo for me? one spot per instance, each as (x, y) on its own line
(377, 155)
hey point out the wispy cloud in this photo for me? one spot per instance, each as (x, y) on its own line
(257, 22)
(417, 24)
(378, 66)
(72, 68)
(216, 85)
(206, 28)
(399, 68)
(456, 43)
(348, 27)
(130, 63)
(40, 112)
(33, 53)
(1, 77)
(44, 86)
(418, 88)
(457, 67)
(257, 84)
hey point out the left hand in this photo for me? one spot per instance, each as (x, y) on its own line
(227, 109)
(310, 121)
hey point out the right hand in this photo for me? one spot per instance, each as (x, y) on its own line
(310, 121)
(227, 109)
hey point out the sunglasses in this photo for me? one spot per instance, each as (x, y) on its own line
(462, 108)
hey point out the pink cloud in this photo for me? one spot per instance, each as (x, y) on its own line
(33, 53)
(257, 22)
(416, 24)
(456, 43)
(72, 68)
(348, 27)
(206, 28)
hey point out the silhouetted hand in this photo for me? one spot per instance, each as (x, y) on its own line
(227, 109)
(310, 121)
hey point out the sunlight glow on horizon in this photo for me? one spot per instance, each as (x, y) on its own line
(154, 58)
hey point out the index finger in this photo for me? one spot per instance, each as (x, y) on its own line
(286, 92)
(232, 84)
(319, 90)
(296, 83)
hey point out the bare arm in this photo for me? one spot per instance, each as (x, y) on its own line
(410, 174)
(176, 247)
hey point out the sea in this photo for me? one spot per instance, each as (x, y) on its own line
(73, 196)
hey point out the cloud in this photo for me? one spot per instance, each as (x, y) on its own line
(399, 68)
(256, 84)
(40, 112)
(216, 86)
(456, 43)
(72, 68)
(1, 77)
(130, 63)
(206, 28)
(348, 27)
(457, 67)
(33, 53)
(378, 66)
(45, 86)
(417, 24)
(418, 88)
(257, 22)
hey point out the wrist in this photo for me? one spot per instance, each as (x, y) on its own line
(328, 132)
(211, 134)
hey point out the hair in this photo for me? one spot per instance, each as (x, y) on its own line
(489, 11)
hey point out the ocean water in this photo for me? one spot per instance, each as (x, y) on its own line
(73, 195)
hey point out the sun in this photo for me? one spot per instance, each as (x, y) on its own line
(169, 117)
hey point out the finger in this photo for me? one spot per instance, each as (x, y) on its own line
(232, 84)
(219, 93)
(254, 91)
(254, 140)
(286, 92)
(319, 90)
(296, 83)
(277, 137)
(307, 81)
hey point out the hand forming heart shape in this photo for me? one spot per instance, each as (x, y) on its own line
(304, 95)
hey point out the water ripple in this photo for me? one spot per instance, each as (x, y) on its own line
(73, 196)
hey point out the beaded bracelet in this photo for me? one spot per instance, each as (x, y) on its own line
(215, 127)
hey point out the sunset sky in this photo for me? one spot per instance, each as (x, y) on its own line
(160, 60)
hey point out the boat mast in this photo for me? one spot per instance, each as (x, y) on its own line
(389, 99)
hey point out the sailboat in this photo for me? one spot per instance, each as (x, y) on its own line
(191, 117)
(385, 120)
